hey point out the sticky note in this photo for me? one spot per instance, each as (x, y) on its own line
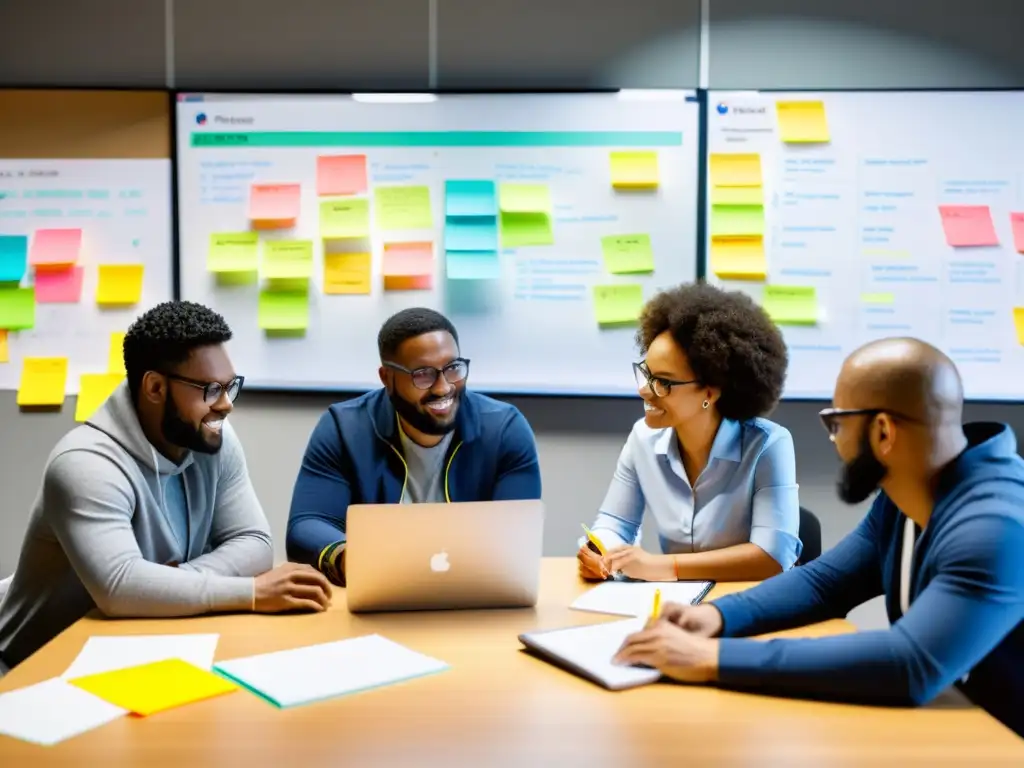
(470, 197)
(525, 198)
(13, 257)
(115, 353)
(1018, 324)
(877, 298)
(347, 273)
(625, 254)
(93, 391)
(618, 304)
(791, 304)
(738, 258)
(634, 170)
(1017, 226)
(120, 284)
(283, 310)
(233, 252)
(802, 122)
(5, 353)
(59, 286)
(274, 206)
(740, 169)
(150, 688)
(287, 259)
(43, 380)
(522, 229)
(402, 208)
(472, 265)
(471, 233)
(341, 219)
(408, 266)
(17, 307)
(734, 220)
(341, 175)
(968, 225)
(737, 196)
(55, 247)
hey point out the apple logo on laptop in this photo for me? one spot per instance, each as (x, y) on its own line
(439, 562)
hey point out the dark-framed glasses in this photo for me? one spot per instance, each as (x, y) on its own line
(423, 378)
(659, 385)
(212, 390)
(831, 417)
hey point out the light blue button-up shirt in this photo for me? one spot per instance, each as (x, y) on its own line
(747, 492)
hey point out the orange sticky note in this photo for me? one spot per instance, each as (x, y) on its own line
(93, 391)
(55, 247)
(274, 206)
(1017, 225)
(346, 273)
(120, 284)
(968, 225)
(408, 266)
(341, 174)
(5, 355)
(115, 356)
(43, 380)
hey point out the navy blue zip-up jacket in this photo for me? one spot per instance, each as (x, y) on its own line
(355, 456)
(964, 622)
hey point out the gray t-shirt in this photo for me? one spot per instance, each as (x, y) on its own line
(426, 470)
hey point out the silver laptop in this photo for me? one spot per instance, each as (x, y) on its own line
(408, 557)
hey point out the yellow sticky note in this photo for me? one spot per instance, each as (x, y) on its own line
(791, 304)
(233, 252)
(341, 219)
(741, 169)
(1018, 323)
(283, 310)
(403, 208)
(347, 273)
(93, 390)
(634, 170)
(524, 198)
(802, 122)
(5, 354)
(738, 258)
(287, 259)
(737, 196)
(115, 355)
(43, 380)
(618, 304)
(150, 688)
(877, 298)
(120, 284)
(625, 254)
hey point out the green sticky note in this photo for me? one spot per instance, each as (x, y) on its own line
(791, 304)
(525, 198)
(284, 310)
(737, 220)
(403, 208)
(625, 254)
(17, 307)
(618, 304)
(233, 252)
(519, 229)
(287, 259)
(878, 298)
(346, 218)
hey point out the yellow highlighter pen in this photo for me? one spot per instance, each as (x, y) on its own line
(594, 540)
(656, 608)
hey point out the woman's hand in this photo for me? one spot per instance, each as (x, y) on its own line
(592, 567)
(637, 564)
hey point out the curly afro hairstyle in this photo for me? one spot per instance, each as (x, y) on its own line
(165, 336)
(730, 341)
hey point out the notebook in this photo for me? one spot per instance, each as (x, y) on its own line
(588, 651)
(317, 672)
(635, 598)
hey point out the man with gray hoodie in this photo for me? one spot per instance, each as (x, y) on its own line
(147, 510)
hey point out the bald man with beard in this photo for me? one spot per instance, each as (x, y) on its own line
(943, 542)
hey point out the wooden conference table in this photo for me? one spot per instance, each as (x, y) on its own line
(496, 706)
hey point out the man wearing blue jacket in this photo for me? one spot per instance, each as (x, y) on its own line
(943, 541)
(423, 437)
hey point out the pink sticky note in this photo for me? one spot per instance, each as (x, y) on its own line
(59, 286)
(274, 206)
(341, 174)
(1017, 225)
(55, 247)
(408, 266)
(968, 225)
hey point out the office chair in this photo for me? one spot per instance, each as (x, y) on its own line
(810, 535)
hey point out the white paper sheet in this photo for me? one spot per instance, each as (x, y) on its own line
(635, 598)
(52, 711)
(107, 653)
(590, 649)
(317, 672)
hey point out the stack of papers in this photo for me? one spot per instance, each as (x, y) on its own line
(52, 711)
(107, 653)
(635, 598)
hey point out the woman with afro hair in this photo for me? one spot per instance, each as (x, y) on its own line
(704, 466)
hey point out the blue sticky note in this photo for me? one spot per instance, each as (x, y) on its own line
(471, 233)
(13, 257)
(472, 265)
(470, 198)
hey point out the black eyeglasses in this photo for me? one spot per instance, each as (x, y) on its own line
(212, 390)
(424, 378)
(830, 417)
(659, 385)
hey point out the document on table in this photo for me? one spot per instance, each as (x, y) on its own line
(317, 672)
(52, 711)
(109, 653)
(634, 598)
(588, 651)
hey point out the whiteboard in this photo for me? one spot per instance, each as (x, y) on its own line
(858, 218)
(532, 330)
(123, 209)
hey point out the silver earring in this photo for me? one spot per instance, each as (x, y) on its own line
(705, 404)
